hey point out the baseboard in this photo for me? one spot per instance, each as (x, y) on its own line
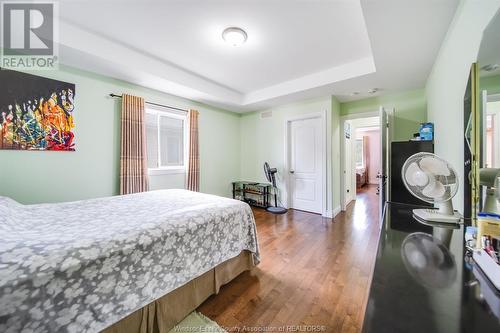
(331, 214)
(336, 210)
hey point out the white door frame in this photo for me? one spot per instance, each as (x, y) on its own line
(487, 99)
(324, 194)
(343, 119)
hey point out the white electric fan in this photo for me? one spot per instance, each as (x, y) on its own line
(432, 179)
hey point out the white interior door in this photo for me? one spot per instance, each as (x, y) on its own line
(306, 167)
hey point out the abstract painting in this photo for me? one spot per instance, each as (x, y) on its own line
(36, 113)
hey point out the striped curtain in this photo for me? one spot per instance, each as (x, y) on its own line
(193, 172)
(133, 163)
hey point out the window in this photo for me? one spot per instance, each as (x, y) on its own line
(166, 141)
(359, 153)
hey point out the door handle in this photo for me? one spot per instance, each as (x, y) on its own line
(292, 171)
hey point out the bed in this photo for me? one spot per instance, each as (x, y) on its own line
(361, 177)
(117, 262)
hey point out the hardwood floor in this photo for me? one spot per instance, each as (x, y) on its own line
(314, 271)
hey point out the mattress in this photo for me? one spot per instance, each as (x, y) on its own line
(82, 266)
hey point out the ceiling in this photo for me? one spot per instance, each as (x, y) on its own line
(295, 49)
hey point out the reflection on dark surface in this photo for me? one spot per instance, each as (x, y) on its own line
(401, 219)
(480, 292)
(486, 291)
(443, 235)
(441, 231)
(421, 282)
(428, 261)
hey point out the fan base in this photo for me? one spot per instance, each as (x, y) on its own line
(433, 215)
(277, 210)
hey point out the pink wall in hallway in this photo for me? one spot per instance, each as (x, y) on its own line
(374, 148)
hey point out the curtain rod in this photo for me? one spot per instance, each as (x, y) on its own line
(156, 104)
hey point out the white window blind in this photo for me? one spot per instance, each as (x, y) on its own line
(166, 140)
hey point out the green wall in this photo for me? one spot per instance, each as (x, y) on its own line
(490, 83)
(92, 170)
(263, 140)
(410, 106)
(447, 82)
(232, 146)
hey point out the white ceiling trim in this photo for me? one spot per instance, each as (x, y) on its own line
(401, 52)
(76, 42)
(90, 51)
(343, 72)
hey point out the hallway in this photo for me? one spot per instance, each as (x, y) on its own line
(367, 192)
(314, 271)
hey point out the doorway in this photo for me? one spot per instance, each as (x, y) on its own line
(491, 132)
(306, 163)
(361, 158)
(367, 158)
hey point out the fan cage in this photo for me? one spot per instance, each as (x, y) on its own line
(450, 182)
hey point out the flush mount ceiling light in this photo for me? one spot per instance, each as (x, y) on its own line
(490, 67)
(234, 36)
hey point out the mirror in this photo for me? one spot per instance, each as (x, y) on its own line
(489, 90)
(468, 103)
(482, 126)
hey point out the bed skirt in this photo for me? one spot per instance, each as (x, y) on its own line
(164, 313)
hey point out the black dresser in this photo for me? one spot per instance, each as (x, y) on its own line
(423, 282)
(400, 151)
